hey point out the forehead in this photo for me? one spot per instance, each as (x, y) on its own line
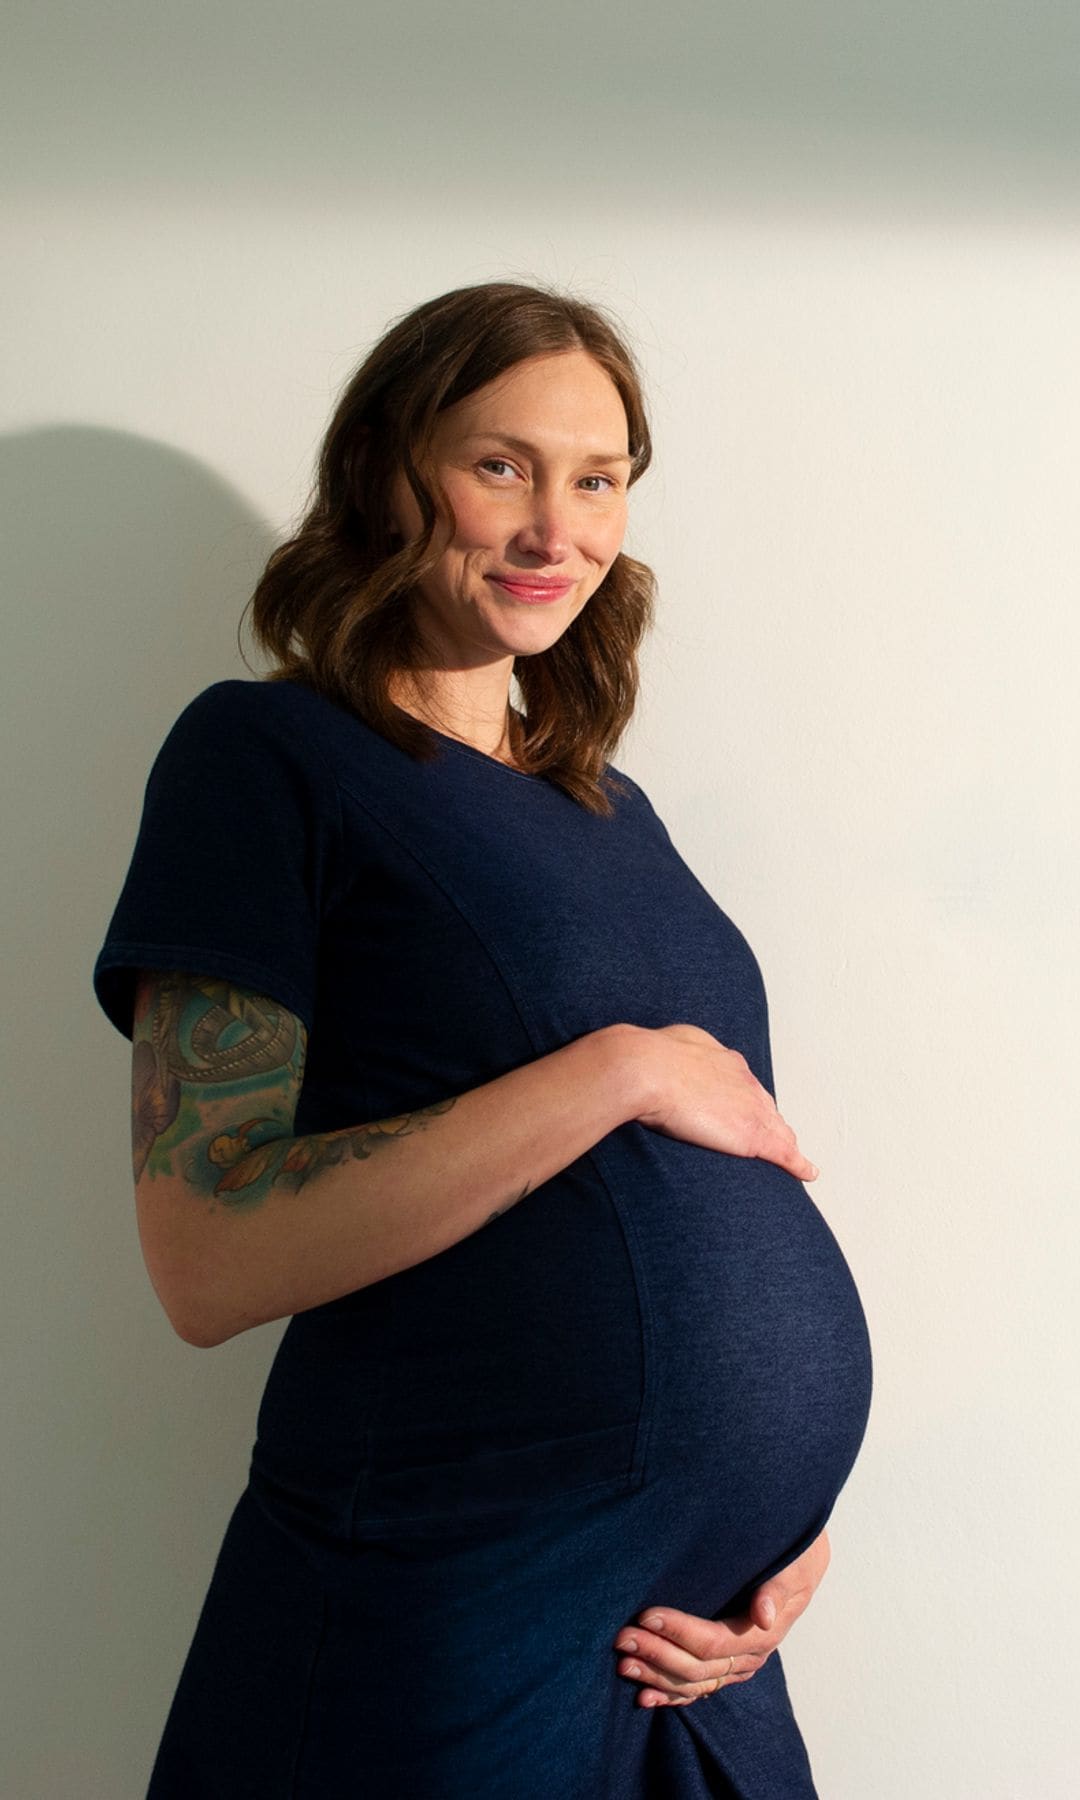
(563, 396)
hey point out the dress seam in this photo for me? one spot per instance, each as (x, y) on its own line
(303, 1733)
(524, 1016)
(532, 1033)
(645, 1311)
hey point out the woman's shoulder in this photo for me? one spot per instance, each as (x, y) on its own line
(284, 719)
(251, 701)
(626, 793)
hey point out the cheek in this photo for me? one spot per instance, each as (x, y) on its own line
(608, 539)
(477, 525)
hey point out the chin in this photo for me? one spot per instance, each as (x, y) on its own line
(534, 643)
(540, 627)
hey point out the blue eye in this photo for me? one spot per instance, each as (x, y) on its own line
(595, 490)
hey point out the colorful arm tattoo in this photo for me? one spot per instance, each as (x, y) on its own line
(194, 1035)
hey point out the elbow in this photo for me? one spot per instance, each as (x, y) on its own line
(191, 1323)
(184, 1285)
(201, 1318)
(197, 1333)
(204, 1332)
(194, 1283)
(198, 1312)
(186, 1306)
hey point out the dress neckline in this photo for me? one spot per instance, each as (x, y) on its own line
(483, 755)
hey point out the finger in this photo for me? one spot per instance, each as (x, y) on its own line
(797, 1580)
(764, 1607)
(683, 1635)
(674, 1668)
(694, 1679)
(655, 1681)
(686, 1695)
(775, 1141)
(651, 1697)
(775, 1608)
(700, 1637)
(789, 1156)
(777, 1604)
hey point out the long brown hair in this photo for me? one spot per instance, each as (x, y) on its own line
(332, 606)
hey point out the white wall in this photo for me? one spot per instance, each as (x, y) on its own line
(845, 243)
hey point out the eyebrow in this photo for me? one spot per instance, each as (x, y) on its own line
(527, 449)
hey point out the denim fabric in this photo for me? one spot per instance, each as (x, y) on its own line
(646, 1382)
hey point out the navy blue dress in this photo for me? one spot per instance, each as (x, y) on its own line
(646, 1382)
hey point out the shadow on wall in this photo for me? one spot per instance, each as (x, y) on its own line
(126, 565)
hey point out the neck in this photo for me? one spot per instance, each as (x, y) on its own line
(454, 701)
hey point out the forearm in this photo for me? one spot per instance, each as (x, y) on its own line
(331, 1213)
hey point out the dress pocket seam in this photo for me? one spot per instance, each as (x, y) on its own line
(403, 1525)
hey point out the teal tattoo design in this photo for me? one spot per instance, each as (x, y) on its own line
(197, 1031)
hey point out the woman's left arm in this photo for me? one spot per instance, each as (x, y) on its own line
(683, 1658)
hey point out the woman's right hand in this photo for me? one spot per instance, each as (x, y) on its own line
(707, 1094)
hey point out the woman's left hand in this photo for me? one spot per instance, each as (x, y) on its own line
(683, 1658)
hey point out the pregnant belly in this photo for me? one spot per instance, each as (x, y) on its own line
(657, 1313)
(759, 1351)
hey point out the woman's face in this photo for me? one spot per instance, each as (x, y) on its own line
(535, 467)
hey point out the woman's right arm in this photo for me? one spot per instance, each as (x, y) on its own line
(242, 1222)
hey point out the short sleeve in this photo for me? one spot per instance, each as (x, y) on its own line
(235, 858)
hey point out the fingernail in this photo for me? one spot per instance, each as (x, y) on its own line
(629, 1644)
(632, 1669)
(814, 1172)
(653, 1623)
(769, 1610)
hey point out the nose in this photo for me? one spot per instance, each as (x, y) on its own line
(544, 530)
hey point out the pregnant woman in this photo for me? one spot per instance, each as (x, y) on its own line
(442, 1052)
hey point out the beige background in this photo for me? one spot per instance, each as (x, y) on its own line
(845, 242)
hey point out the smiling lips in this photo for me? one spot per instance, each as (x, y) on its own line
(533, 589)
